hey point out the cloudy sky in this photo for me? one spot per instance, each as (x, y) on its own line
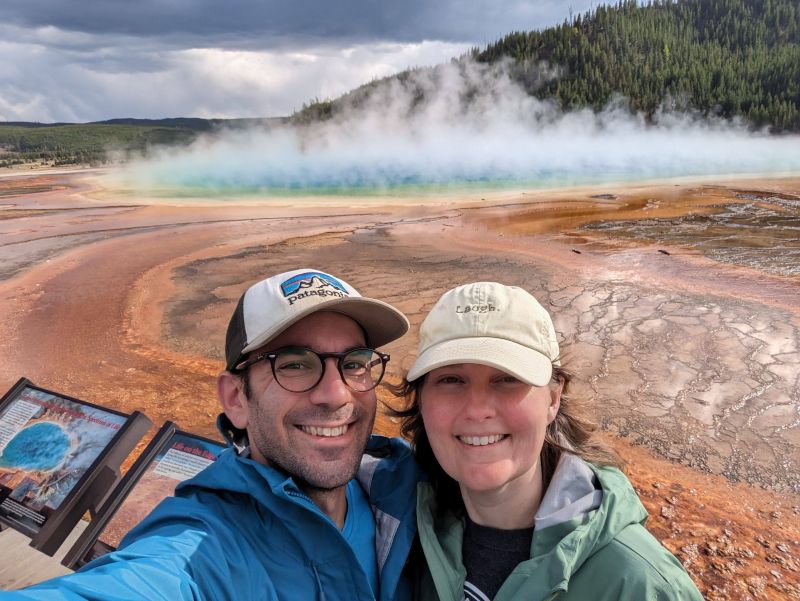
(65, 60)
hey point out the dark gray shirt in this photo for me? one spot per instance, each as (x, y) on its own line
(490, 555)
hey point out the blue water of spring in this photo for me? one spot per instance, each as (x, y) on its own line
(40, 447)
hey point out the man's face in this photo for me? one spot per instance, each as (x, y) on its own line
(317, 436)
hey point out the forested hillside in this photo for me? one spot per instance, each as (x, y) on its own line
(64, 144)
(730, 58)
(726, 57)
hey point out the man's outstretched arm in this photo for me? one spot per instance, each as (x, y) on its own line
(166, 559)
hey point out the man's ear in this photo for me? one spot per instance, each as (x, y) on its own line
(230, 392)
(556, 389)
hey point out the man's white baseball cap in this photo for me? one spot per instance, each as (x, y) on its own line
(270, 306)
(491, 324)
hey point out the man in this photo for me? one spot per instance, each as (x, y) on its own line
(292, 510)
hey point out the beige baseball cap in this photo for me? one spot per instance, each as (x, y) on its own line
(490, 324)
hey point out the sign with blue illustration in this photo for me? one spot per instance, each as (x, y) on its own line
(47, 443)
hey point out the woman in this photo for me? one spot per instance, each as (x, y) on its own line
(523, 502)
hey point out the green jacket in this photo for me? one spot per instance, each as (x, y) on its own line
(590, 546)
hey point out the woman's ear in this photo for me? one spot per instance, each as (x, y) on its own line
(556, 388)
(230, 392)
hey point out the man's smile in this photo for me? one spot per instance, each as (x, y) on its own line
(328, 432)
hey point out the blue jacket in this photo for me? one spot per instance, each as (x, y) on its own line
(242, 530)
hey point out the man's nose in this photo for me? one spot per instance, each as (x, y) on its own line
(331, 390)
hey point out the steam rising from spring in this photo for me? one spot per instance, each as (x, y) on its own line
(460, 123)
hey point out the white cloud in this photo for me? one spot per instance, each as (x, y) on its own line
(264, 58)
(56, 76)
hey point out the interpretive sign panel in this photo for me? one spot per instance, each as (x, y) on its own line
(52, 448)
(171, 457)
(47, 444)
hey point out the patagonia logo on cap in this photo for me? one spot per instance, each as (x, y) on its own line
(312, 283)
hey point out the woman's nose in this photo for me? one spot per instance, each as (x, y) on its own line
(478, 403)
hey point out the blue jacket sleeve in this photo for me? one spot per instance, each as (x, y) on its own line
(170, 557)
(155, 567)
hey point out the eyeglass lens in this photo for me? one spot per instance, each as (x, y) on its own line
(300, 369)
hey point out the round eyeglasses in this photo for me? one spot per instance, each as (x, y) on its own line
(299, 369)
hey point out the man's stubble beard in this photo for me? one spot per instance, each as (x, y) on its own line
(308, 476)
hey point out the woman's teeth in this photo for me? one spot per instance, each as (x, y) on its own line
(481, 441)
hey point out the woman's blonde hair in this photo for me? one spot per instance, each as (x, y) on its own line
(569, 432)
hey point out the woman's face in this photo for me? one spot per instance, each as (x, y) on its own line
(486, 427)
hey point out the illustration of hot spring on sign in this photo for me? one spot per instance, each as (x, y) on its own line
(40, 447)
(47, 443)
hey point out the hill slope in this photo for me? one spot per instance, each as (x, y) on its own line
(731, 58)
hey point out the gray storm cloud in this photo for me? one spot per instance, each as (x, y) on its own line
(460, 123)
(272, 23)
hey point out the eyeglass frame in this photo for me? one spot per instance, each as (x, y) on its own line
(323, 357)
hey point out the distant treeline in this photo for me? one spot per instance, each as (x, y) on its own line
(730, 58)
(97, 143)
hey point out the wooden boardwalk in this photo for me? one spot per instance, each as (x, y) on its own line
(21, 565)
